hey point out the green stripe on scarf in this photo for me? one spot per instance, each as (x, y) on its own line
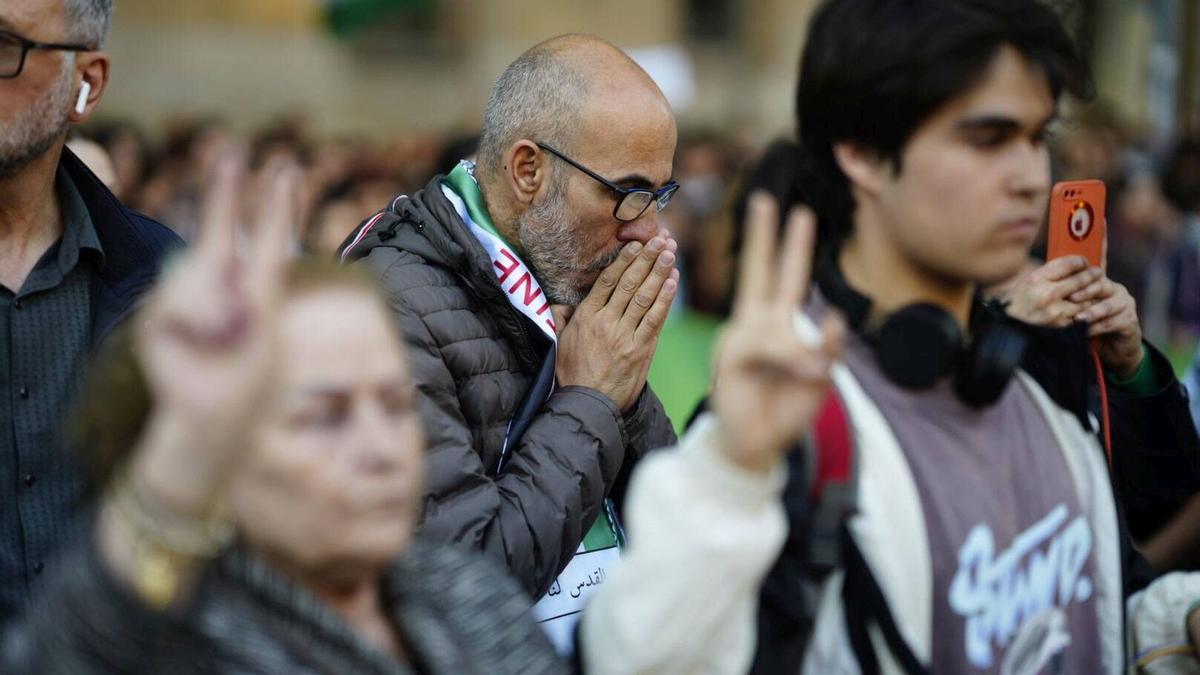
(599, 536)
(465, 186)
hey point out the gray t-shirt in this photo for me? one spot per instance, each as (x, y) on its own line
(1011, 550)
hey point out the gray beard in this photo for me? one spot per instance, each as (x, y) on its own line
(549, 241)
(35, 130)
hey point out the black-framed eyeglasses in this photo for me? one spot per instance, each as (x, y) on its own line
(14, 48)
(631, 202)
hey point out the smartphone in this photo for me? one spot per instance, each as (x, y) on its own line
(1077, 222)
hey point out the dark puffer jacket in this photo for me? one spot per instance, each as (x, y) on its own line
(458, 612)
(473, 357)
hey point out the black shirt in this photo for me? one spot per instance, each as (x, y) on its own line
(45, 334)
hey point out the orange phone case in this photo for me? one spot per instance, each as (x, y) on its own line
(1077, 224)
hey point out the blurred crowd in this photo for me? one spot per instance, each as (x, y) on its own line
(1153, 197)
(366, 420)
(347, 179)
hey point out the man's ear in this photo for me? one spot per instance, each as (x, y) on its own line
(863, 166)
(527, 170)
(91, 68)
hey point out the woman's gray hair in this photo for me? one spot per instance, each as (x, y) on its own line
(539, 97)
(88, 20)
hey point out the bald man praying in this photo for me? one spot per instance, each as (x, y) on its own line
(531, 288)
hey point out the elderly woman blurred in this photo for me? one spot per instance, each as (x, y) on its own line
(317, 467)
(259, 518)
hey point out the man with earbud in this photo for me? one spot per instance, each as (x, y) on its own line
(73, 263)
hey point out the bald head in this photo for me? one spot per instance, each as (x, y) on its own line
(588, 100)
(546, 93)
(602, 64)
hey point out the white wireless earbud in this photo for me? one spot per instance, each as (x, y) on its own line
(85, 89)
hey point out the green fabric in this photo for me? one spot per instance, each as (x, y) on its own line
(1180, 357)
(1143, 382)
(464, 185)
(600, 536)
(682, 368)
(346, 17)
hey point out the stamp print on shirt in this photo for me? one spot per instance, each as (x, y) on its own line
(1019, 596)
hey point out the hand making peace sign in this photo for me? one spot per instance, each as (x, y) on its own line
(207, 339)
(770, 382)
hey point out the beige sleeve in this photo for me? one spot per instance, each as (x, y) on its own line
(702, 534)
(1158, 625)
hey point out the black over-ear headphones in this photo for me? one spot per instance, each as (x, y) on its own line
(919, 344)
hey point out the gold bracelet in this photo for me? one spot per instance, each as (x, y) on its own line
(155, 576)
(199, 536)
(161, 549)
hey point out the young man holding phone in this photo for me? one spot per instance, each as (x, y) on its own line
(985, 535)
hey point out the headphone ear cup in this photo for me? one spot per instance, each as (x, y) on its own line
(994, 357)
(918, 345)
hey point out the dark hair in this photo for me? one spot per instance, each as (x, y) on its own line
(117, 400)
(783, 172)
(1181, 176)
(873, 70)
(459, 147)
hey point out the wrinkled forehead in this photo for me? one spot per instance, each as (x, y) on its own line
(627, 131)
(39, 18)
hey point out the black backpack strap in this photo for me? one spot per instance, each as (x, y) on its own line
(865, 605)
(820, 498)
